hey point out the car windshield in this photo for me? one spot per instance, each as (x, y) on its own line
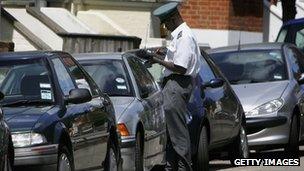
(110, 76)
(282, 35)
(252, 66)
(25, 82)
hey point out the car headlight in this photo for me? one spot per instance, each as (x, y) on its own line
(267, 108)
(27, 139)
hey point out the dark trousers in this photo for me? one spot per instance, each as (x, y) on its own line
(289, 10)
(177, 90)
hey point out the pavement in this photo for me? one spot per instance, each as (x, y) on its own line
(224, 165)
(218, 165)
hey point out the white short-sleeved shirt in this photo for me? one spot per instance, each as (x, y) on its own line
(183, 51)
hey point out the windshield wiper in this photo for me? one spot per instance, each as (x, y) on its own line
(234, 81)
(26, 102)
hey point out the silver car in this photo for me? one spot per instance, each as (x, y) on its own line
(138, 104)
(268, 79)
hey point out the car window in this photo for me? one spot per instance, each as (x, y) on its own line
(206, 71)
(77, 74)
(110, 75)
(282, 35)
(25, 80)
(299, 39)
(144, 79)
(64, 79)
(297, 63)
(157, 71)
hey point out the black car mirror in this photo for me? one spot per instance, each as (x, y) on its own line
(1, 96)
(301, 79)
(214, 83)
(80, 95)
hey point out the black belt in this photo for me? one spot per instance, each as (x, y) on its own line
(182, 80)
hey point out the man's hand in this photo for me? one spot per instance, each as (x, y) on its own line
(144, 54)
(161, 51)
(274, 2)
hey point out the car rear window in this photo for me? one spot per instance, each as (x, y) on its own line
(110, 76)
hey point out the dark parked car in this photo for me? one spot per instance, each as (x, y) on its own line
(216, 117)
(6, 144)
(268, 78)
(137, 100)
(56, 112)
(293, 32)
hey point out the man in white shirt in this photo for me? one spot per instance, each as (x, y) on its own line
(182, 63)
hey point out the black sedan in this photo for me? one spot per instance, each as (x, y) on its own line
(56, 113)
(6, 145)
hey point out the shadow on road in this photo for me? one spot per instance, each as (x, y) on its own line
(273, 154)
(214, 165)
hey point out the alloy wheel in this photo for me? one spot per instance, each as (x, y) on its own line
(64, 163)
(244, 143)
(113, 161)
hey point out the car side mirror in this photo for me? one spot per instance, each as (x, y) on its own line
(214, 83)
(79, 95)
(301, 79)
(1, 96)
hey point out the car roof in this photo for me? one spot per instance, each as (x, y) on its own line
(27, 55)
(245, 47)
(97, 56)
(294, 22)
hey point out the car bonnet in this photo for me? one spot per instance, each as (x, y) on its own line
(23, 118)
(254, 95)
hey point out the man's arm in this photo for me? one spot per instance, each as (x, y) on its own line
(169, 65)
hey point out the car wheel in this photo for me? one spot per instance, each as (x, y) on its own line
(64, 160)
(203, 152)
(293, 144)
(240, 148)
(111, 160)
(7, 163)
(139, 159)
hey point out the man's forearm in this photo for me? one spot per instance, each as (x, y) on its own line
(170, 65)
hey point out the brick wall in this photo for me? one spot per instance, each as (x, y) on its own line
(246, 15)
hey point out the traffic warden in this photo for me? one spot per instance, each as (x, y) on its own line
(181, 65)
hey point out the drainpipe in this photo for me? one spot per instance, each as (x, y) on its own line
(0, 20)
(40, 3)
(266, 20)
(76, 6)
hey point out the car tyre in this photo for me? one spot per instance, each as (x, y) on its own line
(203, 152)
(65, 161)
(293, 144)
(239, 147)
(7, 163)
(111, 160)
(139, 160)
